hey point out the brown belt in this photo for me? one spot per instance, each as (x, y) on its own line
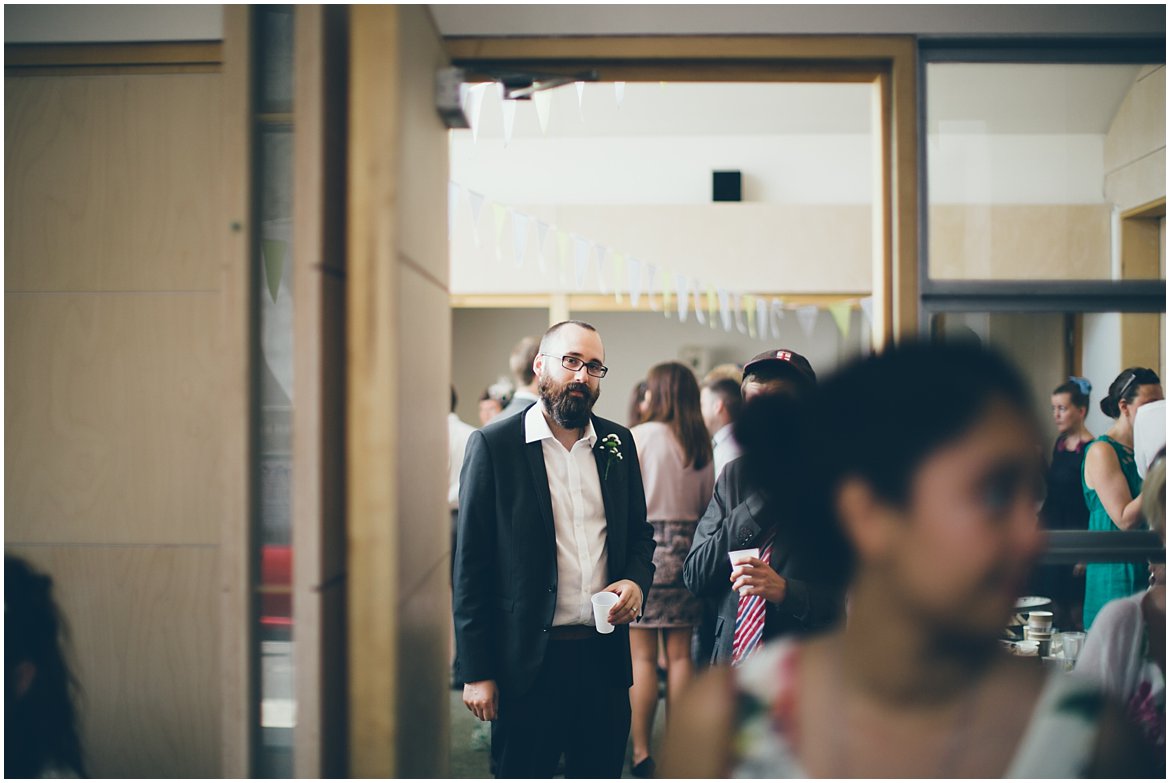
(571, 633)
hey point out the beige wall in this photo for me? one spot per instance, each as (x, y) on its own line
(112, 334)
(1135, 148)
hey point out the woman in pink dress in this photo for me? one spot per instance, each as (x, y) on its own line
(674, 450)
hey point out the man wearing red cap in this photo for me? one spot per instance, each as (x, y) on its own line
(780, 594)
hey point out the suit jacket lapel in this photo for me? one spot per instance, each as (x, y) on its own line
(615, 518)
(534, 453)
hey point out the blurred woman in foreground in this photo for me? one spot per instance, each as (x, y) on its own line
(941, 515)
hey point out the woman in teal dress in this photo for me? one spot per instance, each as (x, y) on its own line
(1113, 488)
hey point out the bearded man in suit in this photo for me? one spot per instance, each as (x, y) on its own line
(551, 511)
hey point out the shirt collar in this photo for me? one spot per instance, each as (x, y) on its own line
(536, 426)
(723, 434)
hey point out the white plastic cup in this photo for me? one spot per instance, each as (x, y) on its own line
(742, 556)
(1071, 643)
(602, 603)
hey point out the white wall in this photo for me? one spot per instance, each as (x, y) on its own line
(1101, 363)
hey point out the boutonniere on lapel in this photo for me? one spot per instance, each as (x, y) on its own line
(611, 447)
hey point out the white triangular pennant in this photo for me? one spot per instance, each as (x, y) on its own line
(700, 310)
(475, 104)
(476, 201)
(683, 286)
(762, 319)
(652, 276)
(807, 317)
(519, 236)
(602, 252)
(740, 326)
(725, 308)
(776, 316)
(619, 92)
(542, 100)
(581, 98)
(867, 308)
(634, 268)
(509, 108)
(580, 259)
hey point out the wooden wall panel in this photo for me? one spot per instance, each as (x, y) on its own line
(108, 402)
(110, 183)
(424, 619)
(144, 639)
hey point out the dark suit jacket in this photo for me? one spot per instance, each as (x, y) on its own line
(735, 519)
(505, 581)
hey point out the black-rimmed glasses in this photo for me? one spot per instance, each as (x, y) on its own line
(573, 364)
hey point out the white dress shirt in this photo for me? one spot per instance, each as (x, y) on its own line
(1149, 434)
(578, 518)
(458, 431)
(726, 448)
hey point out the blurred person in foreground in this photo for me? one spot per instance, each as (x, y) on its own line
(675, 454)
(787, 588)
(939, 513)
(1113, 486)
(41, 737)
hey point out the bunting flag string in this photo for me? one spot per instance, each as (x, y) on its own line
(580, 259)
(749, 314)
(519, 236)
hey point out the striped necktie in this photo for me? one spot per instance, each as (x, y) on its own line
(749, 618)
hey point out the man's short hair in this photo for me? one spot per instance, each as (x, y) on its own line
(555, 328)
(729, 394)
(520, 362)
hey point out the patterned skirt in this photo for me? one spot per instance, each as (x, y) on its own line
(670, 604)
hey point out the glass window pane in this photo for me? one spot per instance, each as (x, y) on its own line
(1045, 171)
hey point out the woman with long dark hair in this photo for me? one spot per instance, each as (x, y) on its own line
(40, 724)
(939, 513)
(1113, 487)
(674, 450)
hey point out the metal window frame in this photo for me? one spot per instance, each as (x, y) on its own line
(948, 296)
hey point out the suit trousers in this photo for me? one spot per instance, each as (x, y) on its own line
(574, 708)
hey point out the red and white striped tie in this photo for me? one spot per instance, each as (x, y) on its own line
(749, 618)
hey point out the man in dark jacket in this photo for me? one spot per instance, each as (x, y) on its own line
(784, 593)
(552, 511)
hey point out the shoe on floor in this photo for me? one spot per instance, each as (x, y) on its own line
(644, 768)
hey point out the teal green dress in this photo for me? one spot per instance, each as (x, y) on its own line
(1106, 581)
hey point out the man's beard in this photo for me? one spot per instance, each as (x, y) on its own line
(570, 411)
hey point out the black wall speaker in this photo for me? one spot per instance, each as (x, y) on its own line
(726, 186)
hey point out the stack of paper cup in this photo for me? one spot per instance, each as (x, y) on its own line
(1039, 629)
